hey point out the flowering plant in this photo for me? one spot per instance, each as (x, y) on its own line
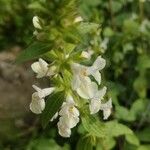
(69, 52)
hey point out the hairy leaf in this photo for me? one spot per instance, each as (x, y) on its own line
(33, 51)
(53, 103)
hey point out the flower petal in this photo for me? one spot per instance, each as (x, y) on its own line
(43, 64)
(36, 22)
(69, 122)
(75, 82)
(87, 89)
(94, 106)
(100, 93)
(99, 63)
(106, 108)
(47, 91)
(106, 113)
(42, 93)
(97, 76)
(37, 105)
(63, 130)
(69, 99)
(36, 67)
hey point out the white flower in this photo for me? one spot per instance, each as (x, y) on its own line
(37, 104)
(106, 108)
(78, 19)
(63, 130)
(95, 102)
(68, 108)
(69, 113)
(41, 68)
(81, 71)
(69, 117)
(36, 22)
(87, 89)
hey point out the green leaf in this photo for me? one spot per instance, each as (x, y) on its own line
(93, 126)
(132, 139)
(84, 143)
(140, 85)
(143, 62)
(144, 135)
(45, 144)
(124, 114)
(138, 107)
(88, 27)
(107, 143)
(115, 129)
(53, 103)
(69, 47)
(33, 51)
(144, 147)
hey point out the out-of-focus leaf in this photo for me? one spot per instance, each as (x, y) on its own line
(88, 27)
(108, 32)
(69, 47)
(138, 107)
(116, 6)
(115, 129)
(93, 126)
(143, 62)
(140, 85)
(33, 51)
(84, 143)
(124, 114)
(144, 147)
(45, 144)
(53, 103)
(107, 143)
(132, 139)
(144, 135)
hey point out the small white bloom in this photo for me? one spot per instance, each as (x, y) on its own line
(95, 102)
(69, 122)
(78, 19)
(36, 22)
(69, 117)
(63, 130)
(87, 89)
(41, 68)
(81, 71)
(68, 108)
(106, 108)
(37, 104)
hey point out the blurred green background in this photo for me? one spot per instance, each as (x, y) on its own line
(126, 36)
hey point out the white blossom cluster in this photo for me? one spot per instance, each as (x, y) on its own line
(87, 89)
(81, 84)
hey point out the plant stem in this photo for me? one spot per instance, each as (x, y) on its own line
(141, 9)
(111, 14)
